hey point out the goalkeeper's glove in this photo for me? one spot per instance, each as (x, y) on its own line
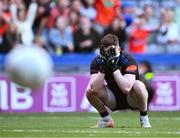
(103, 56)
(112, 59)
(103, 65)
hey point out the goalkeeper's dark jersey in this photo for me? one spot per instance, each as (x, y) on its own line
(127, 65)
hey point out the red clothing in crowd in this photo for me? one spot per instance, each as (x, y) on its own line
(138, 40)
(55, 12)
(3, 24)
(106, 11)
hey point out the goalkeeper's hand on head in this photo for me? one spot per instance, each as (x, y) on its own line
(103, 61)
(112, 59)
(103, 65)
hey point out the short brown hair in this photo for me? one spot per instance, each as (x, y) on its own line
(109, 40)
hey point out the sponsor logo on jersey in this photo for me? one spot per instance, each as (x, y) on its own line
(131, 68)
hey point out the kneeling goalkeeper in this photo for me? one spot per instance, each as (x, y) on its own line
(114, 83)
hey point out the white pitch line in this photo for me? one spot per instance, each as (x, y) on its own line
(119, 132)
(90, 131)
(165, 118)
(42, 118)
(94, 118)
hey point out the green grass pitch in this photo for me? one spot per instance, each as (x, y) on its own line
(164, 124)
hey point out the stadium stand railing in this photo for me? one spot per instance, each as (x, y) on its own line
(81, 62)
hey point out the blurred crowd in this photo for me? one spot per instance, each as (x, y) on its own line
(66, 26)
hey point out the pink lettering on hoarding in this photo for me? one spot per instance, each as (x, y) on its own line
(166, 95)
(66, 93)
(14, 97)
(60, 94)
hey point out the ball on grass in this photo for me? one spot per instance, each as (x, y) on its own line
(29, 66)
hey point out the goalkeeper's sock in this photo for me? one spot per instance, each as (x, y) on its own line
(143, 113)
(105, 116)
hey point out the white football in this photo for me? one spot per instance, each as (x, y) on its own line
(29, 66)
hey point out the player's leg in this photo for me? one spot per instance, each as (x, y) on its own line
(100, 100)
(138, 98)
(139, 95)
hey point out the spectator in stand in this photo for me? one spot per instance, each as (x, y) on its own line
(61, 37)
(128, 12)
(106, 11)
(40, 25)
(19, 3)
(177, 12)
(86, 38)
(151, 24)
(23, 21)
(61, 9)
(76, 5)
(137, 36)
(74, 20)
(11, 38)
(117, 28)
(41, 19)
(168, 36)
(88, 10)
(151, 20)
(41, 41)
(4, 18)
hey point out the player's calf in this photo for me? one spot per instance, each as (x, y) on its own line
(140, 95)
(98, 100)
